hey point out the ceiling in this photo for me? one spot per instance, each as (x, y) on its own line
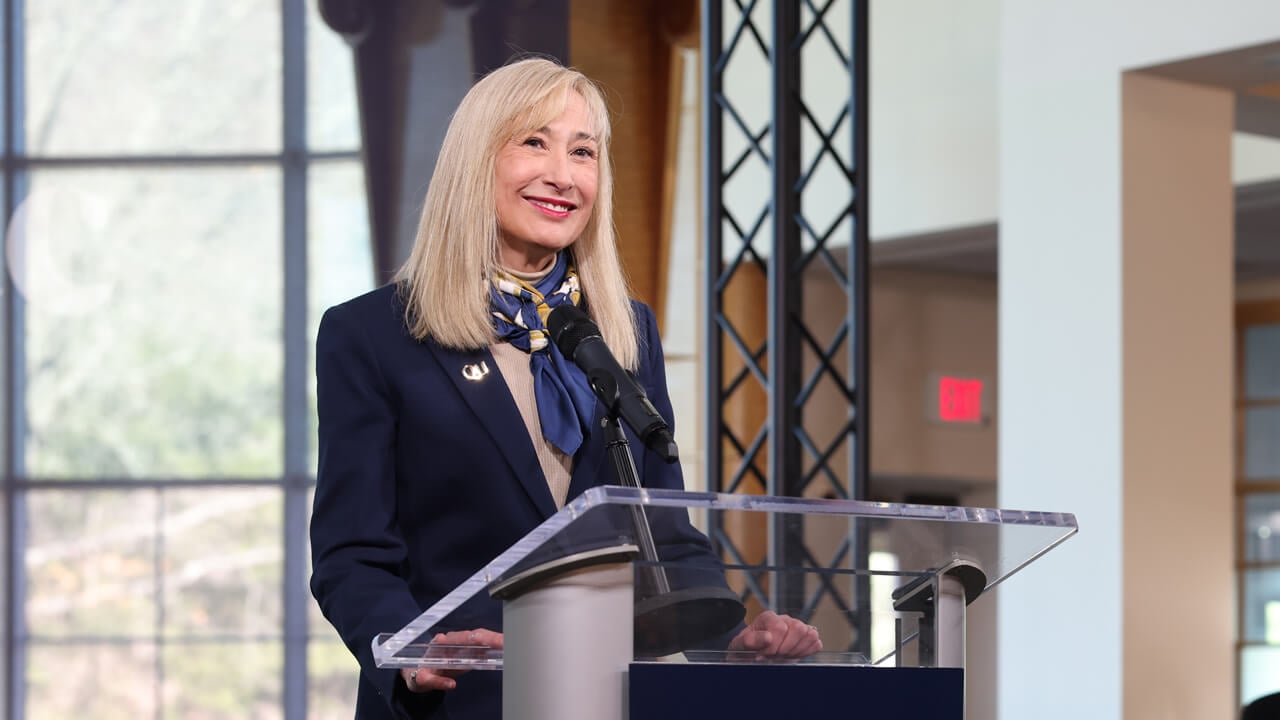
(1253, 73)
(974, 250)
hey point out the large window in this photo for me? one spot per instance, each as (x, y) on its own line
(1258, 490)
(184, 196)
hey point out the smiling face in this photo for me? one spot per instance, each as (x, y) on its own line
(545, 186)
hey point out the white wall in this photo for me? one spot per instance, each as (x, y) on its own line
(934, 125)
(1060, 321)
(935, 111)
(1254, 158)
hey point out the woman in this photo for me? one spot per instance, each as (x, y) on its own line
(449, 426)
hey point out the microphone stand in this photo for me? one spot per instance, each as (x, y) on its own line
(624, 469)
(665, 621)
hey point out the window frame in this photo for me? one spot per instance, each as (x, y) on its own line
(1248, 315)
(297, 479)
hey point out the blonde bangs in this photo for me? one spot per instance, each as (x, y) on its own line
(550, 102)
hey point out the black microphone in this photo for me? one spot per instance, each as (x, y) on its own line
(579, 339)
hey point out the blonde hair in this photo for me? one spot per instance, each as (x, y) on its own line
(445, 281)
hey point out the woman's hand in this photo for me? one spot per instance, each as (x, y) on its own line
(420, 680)
(774, 635)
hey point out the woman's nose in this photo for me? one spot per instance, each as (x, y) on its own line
(557, 172)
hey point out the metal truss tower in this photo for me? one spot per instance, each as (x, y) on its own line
(785, 173)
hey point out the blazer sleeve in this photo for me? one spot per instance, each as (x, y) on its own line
(358, 554)
(691, 562)
(680, 540)
(653, 375)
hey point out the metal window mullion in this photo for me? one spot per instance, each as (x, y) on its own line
(786, 538)
(294, 396)
(713, 157)
(785, 308)
(127, 483)
(154, 160)
(859, 298)
(7, 46)
(15, 374)
(860, 257)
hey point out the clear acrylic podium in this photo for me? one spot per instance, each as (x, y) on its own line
(624, 584)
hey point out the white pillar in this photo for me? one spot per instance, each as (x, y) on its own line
(1115, 357)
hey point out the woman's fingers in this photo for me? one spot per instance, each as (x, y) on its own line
(479, 636)
(800, 640)
(773, 635)
(420, 680)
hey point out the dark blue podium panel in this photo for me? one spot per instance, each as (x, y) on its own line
(667, 691)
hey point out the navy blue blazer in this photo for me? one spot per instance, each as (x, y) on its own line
(424, 477)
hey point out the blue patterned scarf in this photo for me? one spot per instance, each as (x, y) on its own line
(565, 399)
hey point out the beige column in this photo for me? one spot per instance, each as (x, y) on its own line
(1177, 281)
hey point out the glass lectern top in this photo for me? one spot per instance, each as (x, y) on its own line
(840, 564)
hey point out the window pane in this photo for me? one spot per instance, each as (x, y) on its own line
(139, 76)
(4, 269)
(1259, 673)
(233, 680)
(333, 121)
(223, 562)
(332, 675)
(1262, 362)
(1262, 606)
(90, 563)
(111, 682)
(153, 311)
(339, 254)
(1262, 528)
(1262, 442)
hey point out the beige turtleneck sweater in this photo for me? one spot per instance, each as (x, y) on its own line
(513, 363)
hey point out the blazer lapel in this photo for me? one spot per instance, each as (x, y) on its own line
(476, 376)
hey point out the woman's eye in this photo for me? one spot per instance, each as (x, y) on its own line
(584, 152)
(534, 142)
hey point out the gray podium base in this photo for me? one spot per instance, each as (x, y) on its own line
(567, 643)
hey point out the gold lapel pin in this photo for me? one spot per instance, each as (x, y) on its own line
(475, 373)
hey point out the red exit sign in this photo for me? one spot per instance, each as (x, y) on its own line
(959, 399)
